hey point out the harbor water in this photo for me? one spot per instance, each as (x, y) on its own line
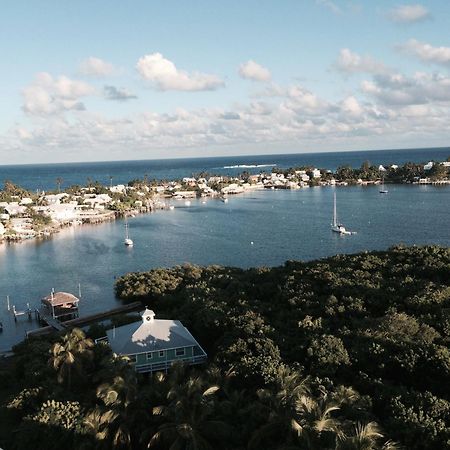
(257, 228)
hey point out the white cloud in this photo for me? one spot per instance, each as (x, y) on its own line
(426, 52)
(400, 90)
(389, 108)
(409, 14)
(251, 70)
(349, 62)
(96, 67)
(351, 106)
(48, 95)
(165, 75)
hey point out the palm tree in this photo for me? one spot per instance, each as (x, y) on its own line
(279, 409)
(112, 423)
(68, 354)
(188, 420)
(365, 437)
(314, 424)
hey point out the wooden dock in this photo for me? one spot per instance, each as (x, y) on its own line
(56, 325)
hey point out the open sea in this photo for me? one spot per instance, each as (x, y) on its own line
(257, 228)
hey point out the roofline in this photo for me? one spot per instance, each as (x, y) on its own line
(171, 348)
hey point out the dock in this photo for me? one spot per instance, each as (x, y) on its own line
(57, 325)
(18, 313)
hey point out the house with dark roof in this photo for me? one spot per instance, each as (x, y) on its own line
(155, 344)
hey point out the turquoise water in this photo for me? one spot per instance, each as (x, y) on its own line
(281, 224)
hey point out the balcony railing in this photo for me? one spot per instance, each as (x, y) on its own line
(166, 365)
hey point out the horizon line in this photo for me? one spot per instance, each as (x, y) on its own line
(224, 156)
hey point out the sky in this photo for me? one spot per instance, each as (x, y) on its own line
(114, 80)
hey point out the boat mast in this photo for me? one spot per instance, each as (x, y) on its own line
(334, 212)
(126, 228)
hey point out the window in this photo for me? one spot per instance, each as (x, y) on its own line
(149, 356)
(161, 353)
(180, 352)
(133, 358)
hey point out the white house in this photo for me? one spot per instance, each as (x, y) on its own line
(316, 173)
(428, 166)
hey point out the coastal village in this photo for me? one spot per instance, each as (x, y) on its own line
(27, 215)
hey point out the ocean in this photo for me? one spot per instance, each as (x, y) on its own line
(258, 228)
(43, 176)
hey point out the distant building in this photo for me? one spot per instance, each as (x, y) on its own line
(428, 166)
(155, 344)
(381, 168)
(316, 173)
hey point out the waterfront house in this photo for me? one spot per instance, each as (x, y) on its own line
(59, 305)
(155, 344)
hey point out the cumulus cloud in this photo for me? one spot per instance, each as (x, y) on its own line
(117, 93)
(96, 67)
(251, 70)
(349, 62)
(164, 75)
(397, 89)
(48, 95)
(388, 108)
(426, 52)
(409, 14)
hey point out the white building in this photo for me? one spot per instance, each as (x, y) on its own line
(428, 166)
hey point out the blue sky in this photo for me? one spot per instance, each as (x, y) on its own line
(109, 80)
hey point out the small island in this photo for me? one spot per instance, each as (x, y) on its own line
(26, 215)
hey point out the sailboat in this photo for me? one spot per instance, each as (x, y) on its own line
(383, 190)
(128, 242)
(336, 226)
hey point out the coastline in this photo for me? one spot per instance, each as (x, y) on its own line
(25, 215)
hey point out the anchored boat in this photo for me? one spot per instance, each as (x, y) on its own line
(336, 226)
(128, 242)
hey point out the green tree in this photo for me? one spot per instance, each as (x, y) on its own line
(70, 353)
(188, 419)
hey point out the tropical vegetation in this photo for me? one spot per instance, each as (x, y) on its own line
(348, 352)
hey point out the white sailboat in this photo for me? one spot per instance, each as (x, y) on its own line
(336, 226)
(128, 242)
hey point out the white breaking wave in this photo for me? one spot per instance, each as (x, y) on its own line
(248, 166)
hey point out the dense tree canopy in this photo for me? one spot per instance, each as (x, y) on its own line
(349, 352)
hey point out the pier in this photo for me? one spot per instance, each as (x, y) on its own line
(19, 313)
(56, 325)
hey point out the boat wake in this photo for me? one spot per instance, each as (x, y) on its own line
(248, 166)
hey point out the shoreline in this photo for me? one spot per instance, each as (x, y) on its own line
(161, 205)
(25, 215)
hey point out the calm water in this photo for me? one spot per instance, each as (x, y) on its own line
(44, 176)
(281, 224)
